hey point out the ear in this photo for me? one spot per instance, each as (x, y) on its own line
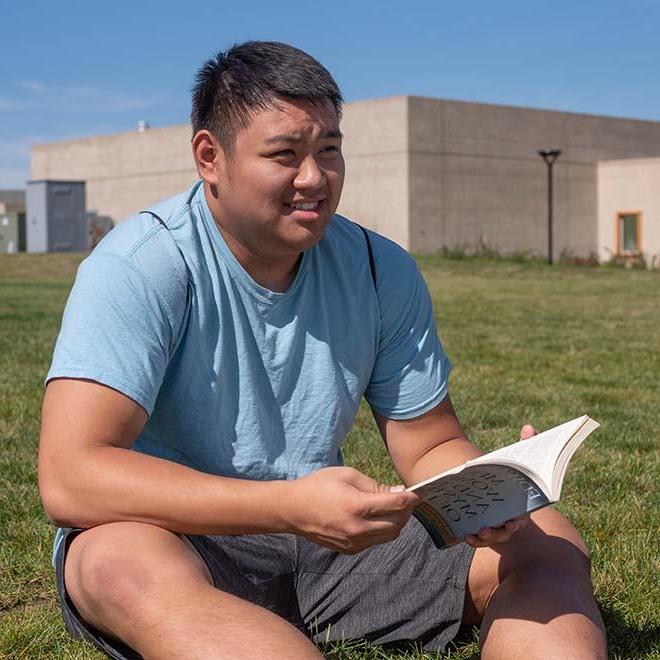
(209, 156)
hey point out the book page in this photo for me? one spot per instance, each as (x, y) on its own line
(477, 496)
(567, 453)
(538, 454)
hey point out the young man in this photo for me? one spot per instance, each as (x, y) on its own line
(212, 358)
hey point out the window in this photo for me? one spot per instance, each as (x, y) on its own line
(628, 233)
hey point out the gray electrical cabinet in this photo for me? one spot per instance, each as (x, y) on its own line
(12, 232)
(56, 219)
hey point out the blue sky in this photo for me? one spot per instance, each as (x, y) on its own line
(71, 69)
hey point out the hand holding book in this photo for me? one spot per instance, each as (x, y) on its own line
(493, 535)
(501, 486)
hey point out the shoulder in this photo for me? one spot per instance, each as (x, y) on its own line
(396, 269)
(348, 240)
(343, 237)
(391, 259)
(350, 236)
(144, 247)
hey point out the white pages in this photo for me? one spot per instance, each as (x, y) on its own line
(545, 456)
(496, 487)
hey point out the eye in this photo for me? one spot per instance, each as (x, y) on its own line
(330, 150)
(282, 153)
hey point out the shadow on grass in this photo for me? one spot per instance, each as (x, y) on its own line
(627, 640)
(463, 647)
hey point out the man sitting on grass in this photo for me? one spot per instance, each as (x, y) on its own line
(212, 358)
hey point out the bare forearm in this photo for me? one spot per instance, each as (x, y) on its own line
(440, 458)
(113, 484)
(427, 445)
(89, 476)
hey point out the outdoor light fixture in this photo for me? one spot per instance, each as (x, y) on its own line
(549, 156)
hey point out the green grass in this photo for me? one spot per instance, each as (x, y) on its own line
(529, 343)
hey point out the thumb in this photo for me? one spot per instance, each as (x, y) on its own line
(399, 488)
(527, 431)
(390, 500)
(366, 484)
(386, 489)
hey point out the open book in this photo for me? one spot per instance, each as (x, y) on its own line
(491, 489)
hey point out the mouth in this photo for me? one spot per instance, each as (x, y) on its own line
(306, 210)
(307, 206)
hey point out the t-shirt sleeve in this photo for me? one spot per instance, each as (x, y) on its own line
(411, 370)
(118, 329)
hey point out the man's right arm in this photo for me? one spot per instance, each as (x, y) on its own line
(88, 476)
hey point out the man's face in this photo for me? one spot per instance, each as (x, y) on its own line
(279, 187)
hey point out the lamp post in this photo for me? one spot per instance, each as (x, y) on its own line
(549, 156)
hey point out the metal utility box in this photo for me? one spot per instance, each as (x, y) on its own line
(12, 232)
(56, 219)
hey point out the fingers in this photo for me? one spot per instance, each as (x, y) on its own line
(357, 511)
(378, 499)
(366, 484)
(494, 535)
(385, 504)
(386, 527)
(527, 431)
(360, 481)
(364, 534)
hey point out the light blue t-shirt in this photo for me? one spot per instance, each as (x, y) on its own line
(238, 380)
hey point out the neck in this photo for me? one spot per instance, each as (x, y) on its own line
(273, 274)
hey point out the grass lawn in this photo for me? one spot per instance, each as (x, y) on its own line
(529, 343)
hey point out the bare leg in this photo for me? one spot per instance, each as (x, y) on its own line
(533, 595)
(145, 586)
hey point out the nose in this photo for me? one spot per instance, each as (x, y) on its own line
(309, 176)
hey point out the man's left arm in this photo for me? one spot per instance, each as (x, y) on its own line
(433, 443)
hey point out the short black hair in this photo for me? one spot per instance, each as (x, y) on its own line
(230, 87)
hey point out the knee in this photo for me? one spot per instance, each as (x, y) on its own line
(100, 573)
(128, 566)
(549, 549)
(549, 555)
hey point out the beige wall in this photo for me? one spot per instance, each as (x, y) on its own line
(8, 207)
(125, 172)
(475, 175)
(130, 171)
(629, 186)
(427, 173)
(376, 190)
(12, 201)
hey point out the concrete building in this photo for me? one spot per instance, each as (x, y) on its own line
(12, 201)
(629, 209)
(12, 221)
(428, 173)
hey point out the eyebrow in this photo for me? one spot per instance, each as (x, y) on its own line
(298, 138)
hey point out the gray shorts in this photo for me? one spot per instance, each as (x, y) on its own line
(406, 590)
